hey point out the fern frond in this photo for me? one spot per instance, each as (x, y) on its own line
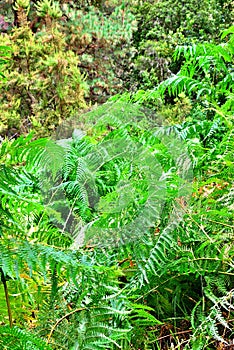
(18, 339)
(207, 71)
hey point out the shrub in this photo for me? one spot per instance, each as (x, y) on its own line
(44, 83)
(60, 63)
(162, 25)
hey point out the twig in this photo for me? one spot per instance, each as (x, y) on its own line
(220, 223)
(174, 334)
(4, 281)
(61, 319)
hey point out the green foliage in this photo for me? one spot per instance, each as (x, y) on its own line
(47, 73)
(102, 41)
(187, 273)
(43, 83)
(107, 241)
(5, 52)
(193, 19)
(162, 25)
(47, 8)
(207, 72)
(106, 180)
(15, 338)
(122, 297)
(114, 28)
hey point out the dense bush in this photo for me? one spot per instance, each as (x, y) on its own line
(60, 63)
(44, 83)
(162, 25)
(171, 282)
(102, 41)
(120, 235)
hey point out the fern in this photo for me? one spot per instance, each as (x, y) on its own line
(214, 319)
(139, 266)
(16, 338)
(207, 71)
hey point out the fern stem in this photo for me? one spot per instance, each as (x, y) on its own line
(61, 319)
(220, 223)
(54, 286)
(4, 281)
(173, 334)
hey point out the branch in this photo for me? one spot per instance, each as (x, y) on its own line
(61, 319)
